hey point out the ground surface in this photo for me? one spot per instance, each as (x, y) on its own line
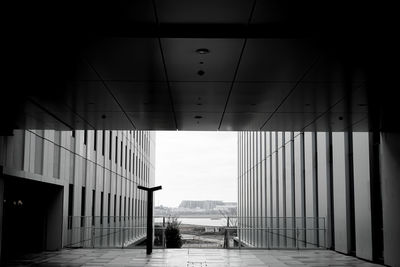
(189, 258)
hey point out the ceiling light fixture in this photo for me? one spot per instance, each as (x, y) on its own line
(198, 117)
(201, 72)
(202, 51)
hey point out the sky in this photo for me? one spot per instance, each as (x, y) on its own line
(195, 166)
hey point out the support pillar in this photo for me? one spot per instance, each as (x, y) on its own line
(149, 238)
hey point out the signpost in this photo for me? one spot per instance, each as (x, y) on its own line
(149, 238)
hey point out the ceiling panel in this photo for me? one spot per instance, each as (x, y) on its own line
(355, 101)
(90, 96)
(199, 96)
(205, 11)
(289, 121)
(43, 115)
(276, 60)
(286, 12)
(83, 72)
(314, 97)
(141, 96)
(257, 96)
(198, 121)
(138, 11)
(153, 120)
(107, 120)
(183, 62)
(329, 68)
(128, 59)
(271, 11)
(339, 121)
(243, 121)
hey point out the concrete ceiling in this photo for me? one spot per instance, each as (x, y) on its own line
(272, 65)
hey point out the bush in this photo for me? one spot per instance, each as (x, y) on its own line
(172, 234)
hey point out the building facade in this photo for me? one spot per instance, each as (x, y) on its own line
(74, 188)
(319, 189)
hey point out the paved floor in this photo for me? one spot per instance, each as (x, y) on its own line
(189, 258)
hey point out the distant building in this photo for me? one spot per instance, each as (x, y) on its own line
(200, 204)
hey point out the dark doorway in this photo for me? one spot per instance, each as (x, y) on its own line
(31, 213)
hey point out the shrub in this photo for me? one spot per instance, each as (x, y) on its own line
(172, 233)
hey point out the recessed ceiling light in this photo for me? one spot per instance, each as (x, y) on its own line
(198, 117)
(201, 72)
(202, 51)
(340, 118)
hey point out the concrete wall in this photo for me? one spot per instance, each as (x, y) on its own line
(309, 176)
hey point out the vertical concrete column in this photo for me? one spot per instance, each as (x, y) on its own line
(1, 206)
(390, 179)
(274, 210)
(362, 199)
(341, 191)
(323, 177)
(302, 194)
(252, 188)
(310, 188)
(282, 188)
(268, 191)
(289, 180)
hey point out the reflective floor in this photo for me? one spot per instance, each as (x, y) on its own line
(189, 258)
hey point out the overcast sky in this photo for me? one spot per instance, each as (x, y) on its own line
(195, 166)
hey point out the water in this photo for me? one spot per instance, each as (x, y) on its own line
(197, 221)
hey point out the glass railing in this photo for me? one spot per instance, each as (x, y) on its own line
(199, 232)
(246, 232)
(106, 231)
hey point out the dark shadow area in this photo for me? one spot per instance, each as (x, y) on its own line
(32, 217)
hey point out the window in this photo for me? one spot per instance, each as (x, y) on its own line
(93, 206)
(103, 143)
(120, 207)
(95, 141)
(120, 163)
(108, 208)
(124, 208)
(101, 207)
(83, 206)
(115, 207)
(133, 207)
(130, 160)
(110, 148)
(85, 137)
(116, 149)
(129, 207)
(70, 204)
